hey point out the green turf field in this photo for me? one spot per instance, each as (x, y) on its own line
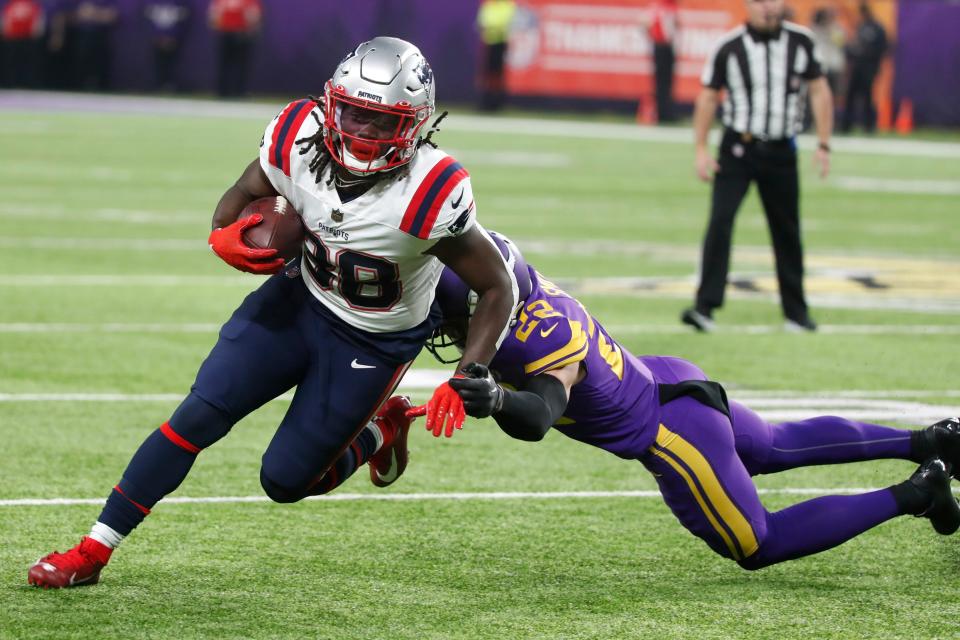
(107, 287)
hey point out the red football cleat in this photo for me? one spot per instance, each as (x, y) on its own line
(76, 568)
(389, 463)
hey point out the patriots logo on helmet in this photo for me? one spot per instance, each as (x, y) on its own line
(425, 75)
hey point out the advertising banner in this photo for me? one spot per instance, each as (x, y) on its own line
(600, 48)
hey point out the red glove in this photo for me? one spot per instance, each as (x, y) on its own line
(227, 242)
(445, 408)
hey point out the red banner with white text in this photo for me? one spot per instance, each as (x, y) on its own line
(601, 48)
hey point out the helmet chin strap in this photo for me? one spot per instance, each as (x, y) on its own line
(353, 180)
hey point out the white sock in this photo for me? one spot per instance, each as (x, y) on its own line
(106, 536)
(377, 434)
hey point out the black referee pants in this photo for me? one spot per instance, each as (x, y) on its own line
(773, 166)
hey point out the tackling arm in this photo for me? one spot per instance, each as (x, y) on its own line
(473, 257)
(529, 414)
(478, 262)
(524, 415)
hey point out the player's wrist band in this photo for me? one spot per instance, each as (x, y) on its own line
(823, 146)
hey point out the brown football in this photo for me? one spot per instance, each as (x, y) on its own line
(281, 228)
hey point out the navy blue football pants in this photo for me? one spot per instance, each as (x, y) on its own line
(276, 340)
(279, 338)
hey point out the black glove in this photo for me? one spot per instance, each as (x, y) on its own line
(481, 394)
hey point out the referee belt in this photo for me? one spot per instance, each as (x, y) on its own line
(756, 141)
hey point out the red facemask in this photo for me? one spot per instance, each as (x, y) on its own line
(365, 136)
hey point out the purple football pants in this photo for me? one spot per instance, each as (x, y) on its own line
(703, 463)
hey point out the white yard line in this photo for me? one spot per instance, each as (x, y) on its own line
(33, 211)
(616, 329)
(113, 280)
(94, 397)
(108, 327)
(849, 393)
(583, 128)
(764, 329)
(949, 307)
(850, 262)
(585, 247)
(427, 379)
(163, 245)
(418, 497)
(791, 406)
(893, 185)
(651, 287)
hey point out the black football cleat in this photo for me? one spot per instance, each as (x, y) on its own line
(932, 480)
(943, 440)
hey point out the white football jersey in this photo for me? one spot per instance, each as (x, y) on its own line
(364, 259)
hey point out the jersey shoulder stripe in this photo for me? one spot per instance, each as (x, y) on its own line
(424, 207)
(574, 350)
(285, 132)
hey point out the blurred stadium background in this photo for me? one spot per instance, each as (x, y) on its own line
(109, 300)
(573, 52)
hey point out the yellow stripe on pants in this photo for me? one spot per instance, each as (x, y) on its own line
(714, 491)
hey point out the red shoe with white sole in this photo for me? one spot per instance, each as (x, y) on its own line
(389, 463)
(78, 567)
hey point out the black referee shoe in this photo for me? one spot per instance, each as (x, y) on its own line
(807, 325)
(702, 322)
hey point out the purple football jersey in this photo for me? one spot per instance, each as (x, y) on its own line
(615, 407)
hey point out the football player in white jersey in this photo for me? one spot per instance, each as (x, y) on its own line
(384, 210)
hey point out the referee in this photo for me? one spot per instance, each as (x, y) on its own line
(764, 68)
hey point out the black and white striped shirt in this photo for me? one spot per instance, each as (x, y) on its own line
(765, 79)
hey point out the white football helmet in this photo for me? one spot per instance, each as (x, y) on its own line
(377, 101)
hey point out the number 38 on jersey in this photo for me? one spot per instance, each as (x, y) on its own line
(366, 282)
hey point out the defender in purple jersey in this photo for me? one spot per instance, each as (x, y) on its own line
(560, 368)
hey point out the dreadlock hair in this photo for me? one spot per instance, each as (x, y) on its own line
(434, 128)
(322, 158)
(403, 172)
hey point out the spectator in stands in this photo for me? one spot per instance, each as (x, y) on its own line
(829, 39)
(23, 27)
(168, 21)
(59, 72)
(662, 28)
(94, 21)
(237, 22)
(865, 53)
(494, 20)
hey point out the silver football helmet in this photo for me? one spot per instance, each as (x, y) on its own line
(377, 101)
